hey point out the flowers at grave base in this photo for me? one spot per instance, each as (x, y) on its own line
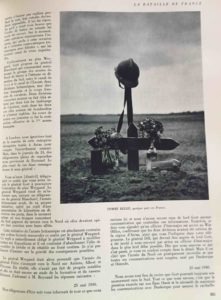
(150, 128)
(103, 137)
(103, 141)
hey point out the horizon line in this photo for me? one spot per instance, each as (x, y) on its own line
(117, 114)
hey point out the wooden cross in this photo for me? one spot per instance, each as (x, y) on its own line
(131, 145)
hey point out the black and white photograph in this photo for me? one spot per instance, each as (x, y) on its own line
(132, 124)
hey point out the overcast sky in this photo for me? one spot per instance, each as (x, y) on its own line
(166, 47)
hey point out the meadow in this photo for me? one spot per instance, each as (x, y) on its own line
(78, 185)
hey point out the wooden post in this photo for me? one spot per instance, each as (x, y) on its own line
(96, 162)
(133, 155)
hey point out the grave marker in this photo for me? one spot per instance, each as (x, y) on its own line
(127, 73)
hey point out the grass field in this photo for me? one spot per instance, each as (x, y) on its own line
(78, 185)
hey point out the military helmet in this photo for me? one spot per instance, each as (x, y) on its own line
(127, 73)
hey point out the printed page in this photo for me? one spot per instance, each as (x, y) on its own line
(110, 149)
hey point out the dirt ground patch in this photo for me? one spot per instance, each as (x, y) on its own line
(78, 185)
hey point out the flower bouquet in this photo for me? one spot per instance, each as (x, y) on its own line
(152, 129)
(103, 141)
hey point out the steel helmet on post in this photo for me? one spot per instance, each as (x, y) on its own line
(127, 73)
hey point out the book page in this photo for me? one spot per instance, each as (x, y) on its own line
(110, 149)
